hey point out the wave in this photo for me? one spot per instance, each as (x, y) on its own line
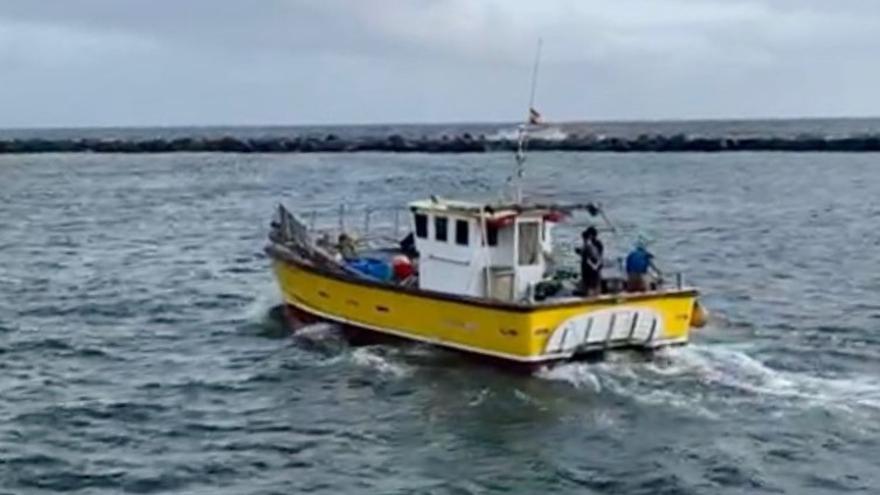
(327, 340)
(319, 332)
(264, 304)
(543, 134)
(380, 359)
(264, 315)
(579, 375)
(699, 378)
(737, 370)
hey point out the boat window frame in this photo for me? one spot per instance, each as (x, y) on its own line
(440, 220)
(462, 232)
(491, 235)
(421, 233)
(536, 254)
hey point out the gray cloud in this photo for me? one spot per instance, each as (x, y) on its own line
(130, 62)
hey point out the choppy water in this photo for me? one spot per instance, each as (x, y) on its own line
(137, 354)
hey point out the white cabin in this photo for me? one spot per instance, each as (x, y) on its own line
(481, 251)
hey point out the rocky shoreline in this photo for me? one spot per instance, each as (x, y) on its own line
(463, 143)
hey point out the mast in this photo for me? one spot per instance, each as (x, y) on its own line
(535, 77)
(522, 132)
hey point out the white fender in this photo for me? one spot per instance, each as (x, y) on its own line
(606, 326)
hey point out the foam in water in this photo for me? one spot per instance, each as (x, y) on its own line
(546, 134)
(660, 381)
(735, 369)
(372, 357)
(624, 376)
(480, 398)
(318, 332)
(579, 375)
(267, 298)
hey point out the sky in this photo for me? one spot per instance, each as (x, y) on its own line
(275, 62)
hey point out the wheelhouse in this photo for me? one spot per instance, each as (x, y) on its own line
(481, 251)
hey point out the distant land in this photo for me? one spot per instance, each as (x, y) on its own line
(830, 135)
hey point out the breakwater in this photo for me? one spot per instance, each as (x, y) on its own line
(459, 143)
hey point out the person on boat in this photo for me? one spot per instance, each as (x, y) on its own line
(408, 246)
(591, 253)
(639, 264)
(345, 246)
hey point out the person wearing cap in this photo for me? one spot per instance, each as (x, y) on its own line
(639, 263)
(591, 253)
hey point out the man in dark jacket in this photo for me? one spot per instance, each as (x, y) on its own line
(591, 253)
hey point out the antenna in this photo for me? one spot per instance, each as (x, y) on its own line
(531, 118)
(535, 76)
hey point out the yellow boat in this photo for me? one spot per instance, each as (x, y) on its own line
(482, 282)
(476, 277)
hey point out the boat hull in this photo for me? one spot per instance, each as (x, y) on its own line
(529, 334)
(356, 336)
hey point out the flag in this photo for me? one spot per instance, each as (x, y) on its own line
(534, 117)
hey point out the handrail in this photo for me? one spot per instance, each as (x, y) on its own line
(338, 218)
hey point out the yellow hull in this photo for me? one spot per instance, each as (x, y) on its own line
(524, 333)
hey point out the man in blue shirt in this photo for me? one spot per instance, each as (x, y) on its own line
(638, 264)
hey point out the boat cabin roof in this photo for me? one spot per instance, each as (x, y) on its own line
(490, 211)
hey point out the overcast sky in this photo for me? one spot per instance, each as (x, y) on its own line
(179, 62)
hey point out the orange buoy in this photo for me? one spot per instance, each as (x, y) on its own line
(699, 316)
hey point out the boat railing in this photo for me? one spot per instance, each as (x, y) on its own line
(366, 223)
(380, 225)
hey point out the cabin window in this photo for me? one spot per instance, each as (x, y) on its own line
(440, 228)
(461, 232)
(491, 235)
(421, 226)
(529, 243)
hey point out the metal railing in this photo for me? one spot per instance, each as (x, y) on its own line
(366, 222)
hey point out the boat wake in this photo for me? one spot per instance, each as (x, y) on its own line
(320, 333)
(711, 379)
(266, 305)
(264, 315)
(328, 339)
(381, 359)
(738, 371)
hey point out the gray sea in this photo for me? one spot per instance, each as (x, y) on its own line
(138, 352)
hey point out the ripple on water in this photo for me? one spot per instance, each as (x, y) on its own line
(141, 352)
(78, 415)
